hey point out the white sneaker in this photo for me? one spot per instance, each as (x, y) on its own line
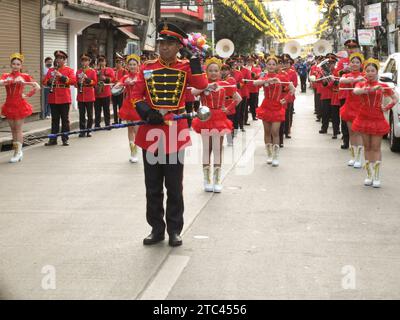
(357, 161)
(376, 183)
(268, 149)
(217, 180)
(353, 155)
(133, 158)
(275, 155)
(208, 187)
(368, 179)
(18, 154)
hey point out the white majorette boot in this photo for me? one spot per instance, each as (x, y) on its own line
(376, 182)
(368, 179)
(275, 155)
(133, 158)
(217, 180)
(357, 160)
(268, 149)
(18, 155)
(208, 187)
(353, 156)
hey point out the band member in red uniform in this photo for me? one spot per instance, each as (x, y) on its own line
(105, 76)
(272, 109)
(213, 130)
(128, 111)
(117, 100)
(343, 67)
(253, 90)
(16, 108)
(287, 63)
(351, 107)
(158, 95)
(328, 111)
(315, 73)
(59, 79)
(370, 121)
(86, 80)
(226, 75)
(245, 69)
(238, 76)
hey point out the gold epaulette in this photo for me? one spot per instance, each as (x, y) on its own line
(149, 61)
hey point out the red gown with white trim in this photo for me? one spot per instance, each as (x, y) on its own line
(370, 119)
(271, 109)
(128, 110)
(218, 122)
(15, 107)
(351, 107)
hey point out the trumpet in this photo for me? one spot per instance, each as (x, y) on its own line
(82, 79)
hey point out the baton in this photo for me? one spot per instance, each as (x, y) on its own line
(203, 115)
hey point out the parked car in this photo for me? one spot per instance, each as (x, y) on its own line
(389, 73)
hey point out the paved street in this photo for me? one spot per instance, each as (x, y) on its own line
(308, 229)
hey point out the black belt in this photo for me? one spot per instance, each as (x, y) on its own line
(178, 111)
(61, 86)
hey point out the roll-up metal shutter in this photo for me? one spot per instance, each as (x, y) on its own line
(30, 45)
(55, 39)
(9, 36)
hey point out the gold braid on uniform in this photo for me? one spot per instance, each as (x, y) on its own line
(214, 60)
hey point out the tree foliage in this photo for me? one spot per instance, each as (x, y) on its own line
(229, 25)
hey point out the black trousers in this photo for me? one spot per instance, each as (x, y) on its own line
(289, 117)
(343, 127)
(317, 104)
(117, 104)
(330, 112)
(60, 112)
(156, 173)
(102, 104)
(85, 109)
(191, 106)
(253, 104)
(303, 81)
(239, 116)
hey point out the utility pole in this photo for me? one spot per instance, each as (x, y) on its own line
(213, 28)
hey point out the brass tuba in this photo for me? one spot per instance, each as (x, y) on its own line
(292, 48)
(224, 48)
(322, 47)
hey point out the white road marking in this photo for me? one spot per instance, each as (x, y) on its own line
(165, 278)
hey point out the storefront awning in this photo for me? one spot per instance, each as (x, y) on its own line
(128, 33)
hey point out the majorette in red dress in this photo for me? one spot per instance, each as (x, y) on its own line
(15, 107)
(128, 110)
(218, 122)
(370, 119)
(271, 109)
(351, 107)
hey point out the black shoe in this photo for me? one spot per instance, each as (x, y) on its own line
(81, 135)
(344, 146)
(175, 240)
(317, 120)
(51, 143)
(65, 143)
(334, 136)
(247, 124)
(88, 135)
(288, 136)
(281, 145)
(153, 238)
(255, 119)
(243, 130)
(323, 131)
